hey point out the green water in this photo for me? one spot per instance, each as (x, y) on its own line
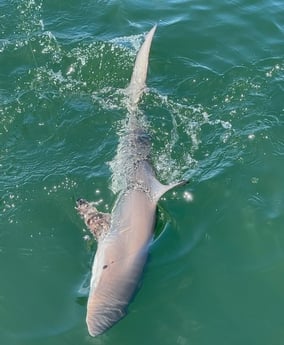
(215, 109)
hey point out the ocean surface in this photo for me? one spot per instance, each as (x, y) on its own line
(215, 112)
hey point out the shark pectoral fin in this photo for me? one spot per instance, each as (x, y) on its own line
(160, 189)
(97, 222)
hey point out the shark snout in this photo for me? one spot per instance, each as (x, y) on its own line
(101, 317)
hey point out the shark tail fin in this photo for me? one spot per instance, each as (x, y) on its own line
(139, 74)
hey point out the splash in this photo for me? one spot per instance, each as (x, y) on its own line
(29, 13)
(131, 44)
(122, 164)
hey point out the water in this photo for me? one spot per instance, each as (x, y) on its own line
(215, 113)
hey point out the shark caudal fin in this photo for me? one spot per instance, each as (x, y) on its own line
(139, 74)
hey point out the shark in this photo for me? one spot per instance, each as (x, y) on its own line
(125, 235)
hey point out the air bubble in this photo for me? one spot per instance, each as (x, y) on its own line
(254, 180)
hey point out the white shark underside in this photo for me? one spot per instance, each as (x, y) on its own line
(125, 235)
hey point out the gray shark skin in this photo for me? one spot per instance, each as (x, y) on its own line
(124, 236)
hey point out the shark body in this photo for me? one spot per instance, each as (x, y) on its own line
(124, 236)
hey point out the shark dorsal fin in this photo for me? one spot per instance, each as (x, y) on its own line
(158, 189)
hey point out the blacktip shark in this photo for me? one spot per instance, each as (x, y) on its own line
(124, 236)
